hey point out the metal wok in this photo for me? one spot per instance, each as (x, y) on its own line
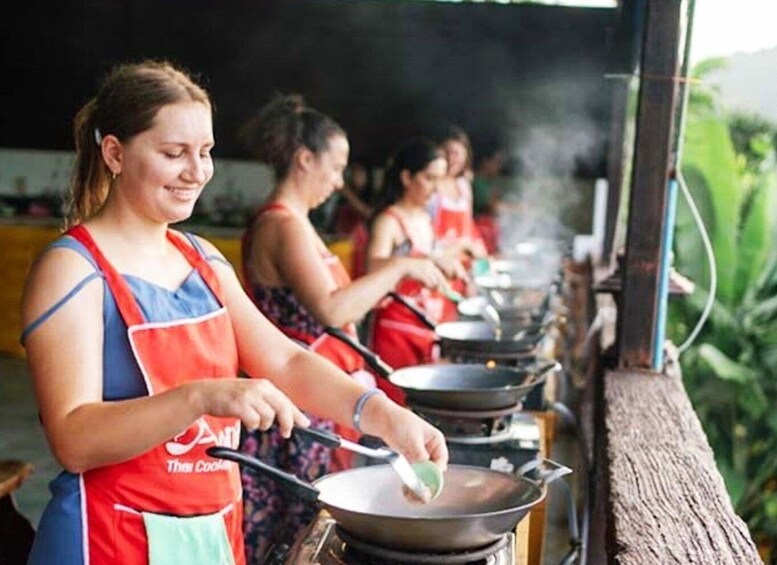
(508, 291)
(468, 387)
(472, 309)
(481, 336)
(477, 506)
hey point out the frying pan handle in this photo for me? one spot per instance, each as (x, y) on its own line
(548, 367)
(545, 470)
(319, 436)
(418, 313)
(554, 287)
(299, 488)
(382, 368)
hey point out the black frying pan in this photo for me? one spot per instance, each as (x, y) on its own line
(511, 338)
(467, 387)
(476, 506)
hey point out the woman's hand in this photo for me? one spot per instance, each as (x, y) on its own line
(257, 402)
(451, 267)
(424, 271)
(404, 431)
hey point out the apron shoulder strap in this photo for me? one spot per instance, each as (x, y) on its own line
(403, 227)
(199, 262)
(125, 300)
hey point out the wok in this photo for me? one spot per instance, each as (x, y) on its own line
(470, 387)
(472, 309)
(476, 507)
(482, 336)
(508, 291)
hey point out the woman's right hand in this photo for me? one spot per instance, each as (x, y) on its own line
(424, 271)
(257, 402)
(451, 267)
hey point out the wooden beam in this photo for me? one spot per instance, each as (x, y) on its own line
(666, 500)
(650, 176)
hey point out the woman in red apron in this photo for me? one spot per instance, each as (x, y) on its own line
(403, 228)
(135, 336)
(301, 287)
(451, 208)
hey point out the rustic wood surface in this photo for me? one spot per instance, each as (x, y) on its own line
(667, 500)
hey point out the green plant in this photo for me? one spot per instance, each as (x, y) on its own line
(730, 371)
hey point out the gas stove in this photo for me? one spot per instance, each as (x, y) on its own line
(511, 441)
(327, 544)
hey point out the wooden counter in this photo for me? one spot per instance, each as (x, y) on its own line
(23, 240)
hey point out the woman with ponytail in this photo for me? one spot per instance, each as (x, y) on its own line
(136, 335)
(402, 227)
(303, 288)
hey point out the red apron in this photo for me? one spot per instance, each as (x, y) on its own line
(453, 222)
(396, 335)
(325, 345)
(176, 477)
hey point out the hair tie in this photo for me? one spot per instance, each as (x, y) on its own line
(98, 137)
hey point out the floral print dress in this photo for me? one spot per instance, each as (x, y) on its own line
(273, 517)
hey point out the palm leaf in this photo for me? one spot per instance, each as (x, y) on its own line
(755, 239)
(708, 150)
(724, 367)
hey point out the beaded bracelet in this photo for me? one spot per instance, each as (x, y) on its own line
(357, 410)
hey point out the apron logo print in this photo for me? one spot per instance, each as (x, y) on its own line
(204, 435)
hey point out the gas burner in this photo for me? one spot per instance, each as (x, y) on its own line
(363, 552)
(492, 359)
(475, 427)
(327, 544)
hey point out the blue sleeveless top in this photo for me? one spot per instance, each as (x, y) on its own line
(59, 537)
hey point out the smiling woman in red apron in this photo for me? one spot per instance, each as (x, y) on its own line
(403, 228)
(301, 287)
(135, 335)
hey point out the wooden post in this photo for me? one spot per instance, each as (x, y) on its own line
(625, 49)
(650, 176)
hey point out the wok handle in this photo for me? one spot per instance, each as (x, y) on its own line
(418, 313)
(298, 487)
(539, 375)
(319, 436)
(371, 358)
(545, 470)
(553, 288)
(547, 368)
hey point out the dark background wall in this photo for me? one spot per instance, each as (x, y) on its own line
(529, 77)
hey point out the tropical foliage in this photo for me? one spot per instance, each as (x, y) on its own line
(731, 367)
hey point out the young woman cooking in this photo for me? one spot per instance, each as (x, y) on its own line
(135, 337)
(451, 209)
(403, 228)
(302, 287)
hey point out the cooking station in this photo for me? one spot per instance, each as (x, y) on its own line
(497, 472)
(327, 544)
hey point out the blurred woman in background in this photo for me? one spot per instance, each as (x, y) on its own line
(302, 288)
(403, 228)
(452, 213)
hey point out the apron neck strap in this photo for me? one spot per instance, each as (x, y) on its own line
(199, 262)
(125, 300)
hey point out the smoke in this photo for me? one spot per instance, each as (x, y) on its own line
(548, 196)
